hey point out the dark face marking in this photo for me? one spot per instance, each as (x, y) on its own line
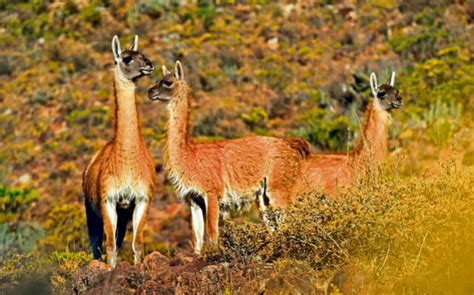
(135, 65)
(388, 97)
(164, 89)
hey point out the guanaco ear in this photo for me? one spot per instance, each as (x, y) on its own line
(373, 84)
(392, 79)
(178, 71)
(135, 43)
(165, 70)
(116, 48)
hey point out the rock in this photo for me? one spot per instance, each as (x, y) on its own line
(353, 280)
(287, 9)
(123, 279)
(184, 257)
(89, 276)
(155, 261)
(273, 43)
(25, 179)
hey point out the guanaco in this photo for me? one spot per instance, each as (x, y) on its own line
(118, 182)
(226, 174)
(328, 173)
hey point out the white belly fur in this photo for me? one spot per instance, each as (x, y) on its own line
(124, 192)
(237, 201)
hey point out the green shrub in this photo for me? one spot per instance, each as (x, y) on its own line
(442, 121)
(69, 261)
(425, 41)
(23, 265)
(14, 200)
(63, 265)
(66, 228)
(70, 52)
(257, 118)
(41, 97)
(448, 78)
(7, 64)
(274, 72)
(18, 238)
(204, 12)
(89, 117)
(91, 15)
(50, 271)
(154, 8)
(323, 130)
(219, 123)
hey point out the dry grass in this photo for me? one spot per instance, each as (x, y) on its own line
(410, 235)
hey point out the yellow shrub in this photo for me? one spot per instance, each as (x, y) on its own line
(410, 234)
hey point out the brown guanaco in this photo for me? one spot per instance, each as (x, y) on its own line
(219, 175)
(330, 172)
(118, 182)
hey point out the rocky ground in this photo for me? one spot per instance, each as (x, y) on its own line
(189, 274)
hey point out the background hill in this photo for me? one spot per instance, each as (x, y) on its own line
(291, 68)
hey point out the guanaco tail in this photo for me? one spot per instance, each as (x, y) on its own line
(118, 182)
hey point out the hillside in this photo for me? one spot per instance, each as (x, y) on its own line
(290, 68)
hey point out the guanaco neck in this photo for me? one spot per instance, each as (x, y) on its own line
(178, 135)
(371, 146)
(126, 121)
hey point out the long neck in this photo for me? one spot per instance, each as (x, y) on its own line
(371, 147)
(178, 135)
(126, 123)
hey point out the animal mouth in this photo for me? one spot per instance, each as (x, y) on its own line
(147, 71)
(158, 96)
(397, 104)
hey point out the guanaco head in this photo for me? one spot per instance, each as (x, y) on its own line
(386, 95)
(167, 87)
(131, 63)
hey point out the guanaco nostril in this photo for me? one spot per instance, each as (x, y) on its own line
(152, 92)
(148, 63)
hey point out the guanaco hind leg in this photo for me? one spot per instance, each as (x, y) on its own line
(212, 218)
(139, 217)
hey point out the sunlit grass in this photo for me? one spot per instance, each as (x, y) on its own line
(410, 235)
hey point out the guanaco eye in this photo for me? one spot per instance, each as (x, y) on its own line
(167, 83)
(381, 94)
(127, 59)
